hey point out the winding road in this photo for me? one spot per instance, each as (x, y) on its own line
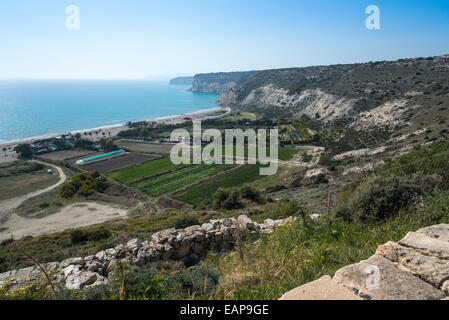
(7, 206)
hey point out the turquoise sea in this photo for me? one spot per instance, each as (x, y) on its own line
(37, 108)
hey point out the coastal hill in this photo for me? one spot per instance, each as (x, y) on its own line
(341, 91)
(181, 81)
(219, 82)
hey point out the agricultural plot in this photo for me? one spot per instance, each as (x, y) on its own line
(196, 194)
(284, 153)
(177, 179)
(113, 164)
(16, 185)
(143, 170)
(142, 146)
(66, 154)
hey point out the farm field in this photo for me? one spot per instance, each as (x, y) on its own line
(143, 170)
(20, 184)
(148, 147)
(196, 194)
(66, 154)
(284, 153)
(119, 162)
(179, 178)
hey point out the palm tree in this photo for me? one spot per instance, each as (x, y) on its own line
(96, 132)
(109, 134)
(4, 150)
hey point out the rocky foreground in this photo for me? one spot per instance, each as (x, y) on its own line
(414, 268)
(187, 245)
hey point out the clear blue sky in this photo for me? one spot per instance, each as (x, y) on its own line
(137, 38)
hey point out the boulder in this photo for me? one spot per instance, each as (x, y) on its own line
(245, 222)
(71, 261)
(426, 245)
(207, 227)
(429, 268)
(439, 231)
(377, 278)
(322, 289)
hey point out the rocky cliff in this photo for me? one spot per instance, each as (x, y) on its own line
(337, 92)
(219, 82)
(181, 81)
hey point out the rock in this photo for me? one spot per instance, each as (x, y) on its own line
(93, 265)
(229, 222)
(269, 223)
(110, 253)
(70, 270)
(322, 289)
(207, 227)
(72, 261)
(133, 245)
(445, 286)
(86, 278)
(101, 256)
(215, 224)
(439, 231)
(24, 274)
(245, 222)
(377, 278)
(429, 268)
(426, 245)
(111, 265)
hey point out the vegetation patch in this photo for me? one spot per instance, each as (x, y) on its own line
(83, 184)
(235, 178)
(143, 170)
(174, 180)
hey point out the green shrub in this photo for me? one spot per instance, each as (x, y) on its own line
(185, 222)
(380, 197)
(199, 281)
(83, 184)
(227, 199)
(78, 236)
(252, 194)
(132, 282)
(99, 234)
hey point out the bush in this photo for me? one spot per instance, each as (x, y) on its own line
(185, 222)
(83, 184)
(252, 194)
(131, 282)
(78, 236)
(199, 281)
(227, 199)
(380, 197)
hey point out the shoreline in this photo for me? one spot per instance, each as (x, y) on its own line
(115, 129)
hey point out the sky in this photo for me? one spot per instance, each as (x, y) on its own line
(137, 39)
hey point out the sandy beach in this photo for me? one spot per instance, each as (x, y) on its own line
(114, 130)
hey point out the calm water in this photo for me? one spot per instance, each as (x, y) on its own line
(35, 108)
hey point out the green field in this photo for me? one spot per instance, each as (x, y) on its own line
(146, 169)
(284, 153)
(174, 180)
(235, 178)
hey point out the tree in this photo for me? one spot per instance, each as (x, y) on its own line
(24, 151)
(4, 150)
(108, 144)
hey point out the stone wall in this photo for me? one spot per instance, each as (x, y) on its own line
(187, 245)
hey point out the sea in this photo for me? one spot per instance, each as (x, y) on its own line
(41, 108)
